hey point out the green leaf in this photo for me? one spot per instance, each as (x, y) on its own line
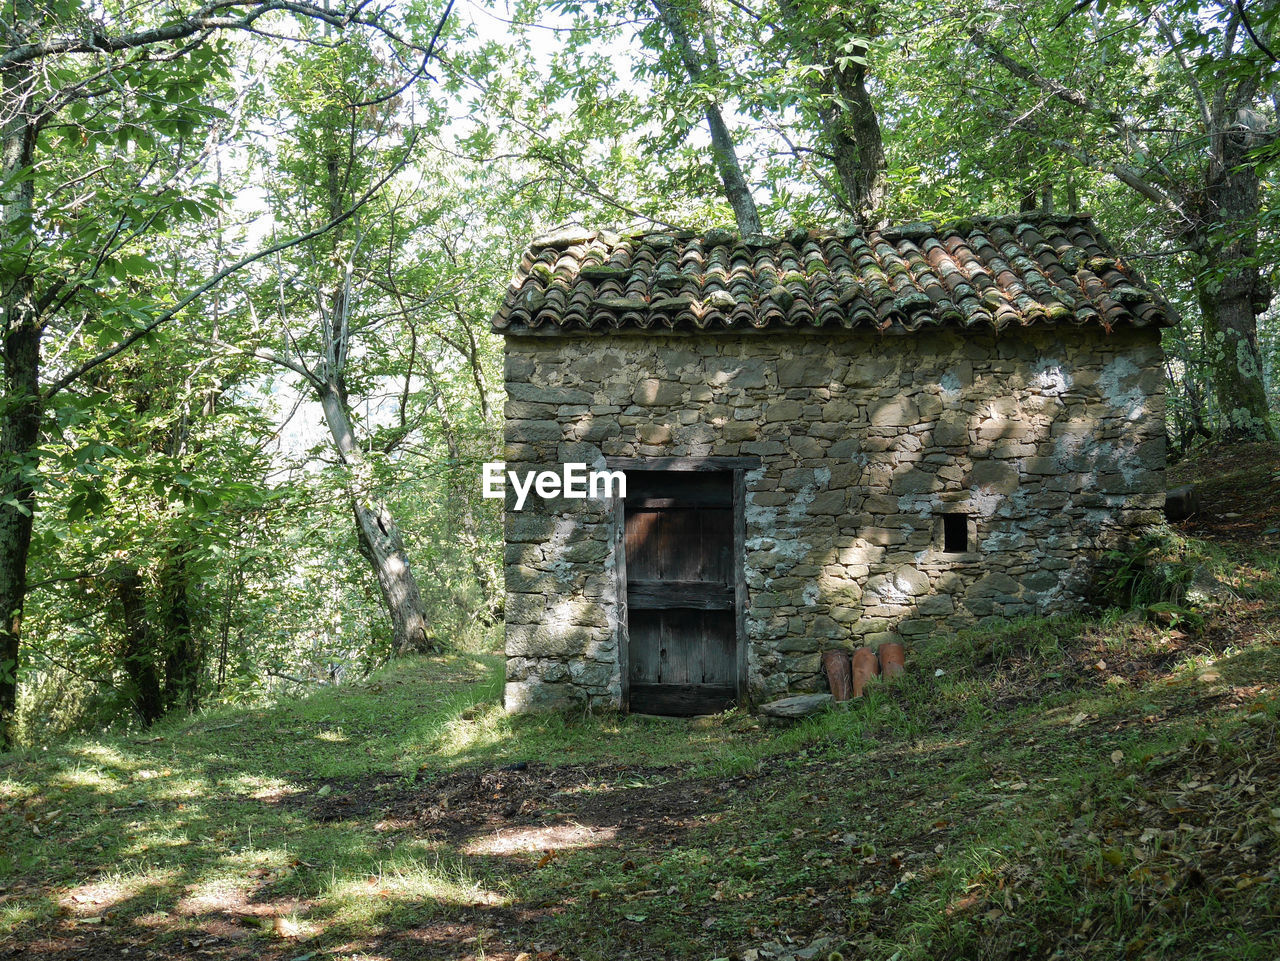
(137, 264)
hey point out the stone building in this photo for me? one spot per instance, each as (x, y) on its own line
(829, 439)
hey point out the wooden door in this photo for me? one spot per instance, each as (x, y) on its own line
(682, 650)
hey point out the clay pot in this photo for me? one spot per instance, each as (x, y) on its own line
(892, 659)
(865, 666)
(839, 674)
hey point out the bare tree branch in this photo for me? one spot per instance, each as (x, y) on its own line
(76, 373)
(1244, 19)
(93, 38)
(1171, 41)
(1126, 173)
(263, 353)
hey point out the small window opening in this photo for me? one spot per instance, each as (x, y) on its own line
(955, 533)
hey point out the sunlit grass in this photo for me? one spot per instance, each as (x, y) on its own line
(112, 889)
(16, 914)
(428, 880)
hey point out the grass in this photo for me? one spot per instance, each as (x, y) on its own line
(942, 816)
(1067, 788)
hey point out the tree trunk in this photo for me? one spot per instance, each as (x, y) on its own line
(182, 658)
(19, 434)
(1232, 305)
(383, 548)
(235, 587)
(723, 151)
(139, 654)
(736, 190)
(853, 130)
(379, 537)
(20, 404)
(850, 125)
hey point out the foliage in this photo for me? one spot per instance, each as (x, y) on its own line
(1153, 577)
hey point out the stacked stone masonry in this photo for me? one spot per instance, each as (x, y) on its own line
(1049, 439)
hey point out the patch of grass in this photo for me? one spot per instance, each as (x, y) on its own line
(994, 640)
(1047, 788)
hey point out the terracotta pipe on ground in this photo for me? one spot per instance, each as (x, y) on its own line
(865, 666)
(839, 673)
(893, 659)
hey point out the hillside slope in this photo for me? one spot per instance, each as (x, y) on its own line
(1070, 788)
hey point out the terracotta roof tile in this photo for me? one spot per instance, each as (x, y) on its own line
(1000, 272)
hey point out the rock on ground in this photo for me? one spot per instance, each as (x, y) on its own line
(798, 705)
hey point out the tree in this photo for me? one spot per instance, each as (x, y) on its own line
(831, 47)
(103, 121)
(157, 458)
(725, 155)
(784, 90)
(336, 135)
(1210, 95)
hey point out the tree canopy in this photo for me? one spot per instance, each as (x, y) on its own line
(248, 254)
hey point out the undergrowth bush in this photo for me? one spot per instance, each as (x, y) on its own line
(1151, 577)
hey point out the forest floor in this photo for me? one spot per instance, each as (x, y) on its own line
(1058, 788)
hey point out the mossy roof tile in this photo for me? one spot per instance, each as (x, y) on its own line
(995, 272)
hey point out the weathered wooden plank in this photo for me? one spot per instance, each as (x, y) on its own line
(678, 489)
(680, 638)
(650, 502)
(719, 662)
(661, 595)
(683, 546)
(681, 700)
(643, 532)
(717, 544)
(645, 646)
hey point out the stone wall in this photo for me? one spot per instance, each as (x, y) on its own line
(1050, 440)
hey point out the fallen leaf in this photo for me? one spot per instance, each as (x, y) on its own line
(286, 928)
